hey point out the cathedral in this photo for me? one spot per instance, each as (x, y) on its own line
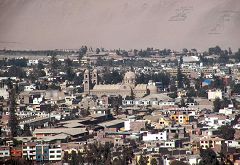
(127, 88)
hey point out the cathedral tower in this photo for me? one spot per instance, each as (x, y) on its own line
(95, 77)
(86, 81)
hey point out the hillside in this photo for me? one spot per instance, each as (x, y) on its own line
(51, 24)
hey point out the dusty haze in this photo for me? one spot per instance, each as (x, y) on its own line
(128, 24)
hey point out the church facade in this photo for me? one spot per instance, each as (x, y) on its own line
(127, 88)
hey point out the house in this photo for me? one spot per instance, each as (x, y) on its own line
(215, 143)
(74, 133)
(4, 91)
(29, 150)
(32, 62)
(134, 125)
(16, 152)
(148, 136)
(233, 143)
(55, 153)
(4, 151)
(181, 118)
(215, 120)
(113, 125)
(212, 95)
(175, 131)
(42, 152)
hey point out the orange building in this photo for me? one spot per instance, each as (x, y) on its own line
(180, 118)
(16, 152)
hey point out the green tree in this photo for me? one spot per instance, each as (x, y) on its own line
(173, 95)
(191, 92)
(98, 50)
(66, 157)
(180, 61)
(216, 105)
(13, 121)
(153, 161)
(117, 161)
(215, 50)
(112, 77)
(54, 64)
(179, 78)
(142, 160)
(237, 56)
(26, 130)
(202, 93)
(236, 89)
(15, 71)
(226, 132)
(182, 103)
(74, 158)
(218, 82)
(80, 158)
(208, 156)
(177, 162)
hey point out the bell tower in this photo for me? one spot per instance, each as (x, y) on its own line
(95, 77)
(86, 81)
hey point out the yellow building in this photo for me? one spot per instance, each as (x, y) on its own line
(164, 122)
(180, 118)
(149, 158)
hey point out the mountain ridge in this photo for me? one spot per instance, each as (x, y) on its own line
(127, 24)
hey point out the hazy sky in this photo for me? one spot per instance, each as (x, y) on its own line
(128, 24)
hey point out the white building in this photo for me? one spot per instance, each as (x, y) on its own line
(147, 136)
(212, 95)
(29, 88)
(216, 121)
(29, 151)
(233, 143)
(4, 92)
(32, 62)
(226, 111)
(37, 101)
(4, 152)
(55, 153)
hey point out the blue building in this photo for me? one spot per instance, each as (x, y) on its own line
(42, 152)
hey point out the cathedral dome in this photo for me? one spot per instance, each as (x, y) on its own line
(152, 89)
(130, 79)
(130, 75)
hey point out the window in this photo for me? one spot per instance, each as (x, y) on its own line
(52, 156)
(58, 156)
(51, 151)
(59, 151)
